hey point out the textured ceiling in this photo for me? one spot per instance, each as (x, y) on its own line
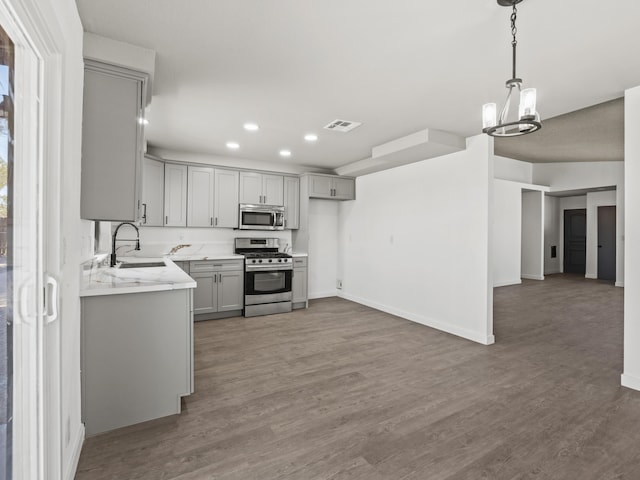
(592, 134)
(399, 67)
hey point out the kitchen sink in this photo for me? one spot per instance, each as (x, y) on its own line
(142, 264)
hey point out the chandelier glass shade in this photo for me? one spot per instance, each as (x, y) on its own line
(527, 119)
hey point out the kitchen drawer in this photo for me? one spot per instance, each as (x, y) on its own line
(299, 262)
(216, 265)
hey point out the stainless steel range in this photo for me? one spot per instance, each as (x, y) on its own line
(267, 276)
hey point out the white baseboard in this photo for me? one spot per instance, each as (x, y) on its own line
(619, 284)
(71, 465)
(330, 293)
(506, 284)
(532, 277)
(553, 272)
(591, 276)
(429, 322)
(630, 382)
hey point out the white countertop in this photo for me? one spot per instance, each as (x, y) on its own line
(299, 254)
(199, 256)
(104, 280)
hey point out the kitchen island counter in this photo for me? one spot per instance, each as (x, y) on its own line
(98, 279)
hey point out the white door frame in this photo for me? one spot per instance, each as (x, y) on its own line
(37, 427)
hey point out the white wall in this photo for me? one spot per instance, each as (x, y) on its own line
(323, 247)
(416, 241)
(532, 261)
(507, 232)
(513, 170)
(76, 234)
(551, 234)
(578, 175)
(631, 375)
(595, 200)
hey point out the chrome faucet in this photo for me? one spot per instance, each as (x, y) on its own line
(113, 243)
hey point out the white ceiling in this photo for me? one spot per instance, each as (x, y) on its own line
(399, 67)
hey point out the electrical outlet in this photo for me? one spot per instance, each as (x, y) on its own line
(339, 284)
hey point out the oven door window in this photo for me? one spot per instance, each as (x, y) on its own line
(262, 219)
(261, 283)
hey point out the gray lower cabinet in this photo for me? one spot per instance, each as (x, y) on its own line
(220, 290)
(137, 357)
(299, 283)
(112, 142)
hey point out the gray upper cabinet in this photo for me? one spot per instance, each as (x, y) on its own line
(152, 214)
(226, 193)
(291, 202)
(175, 195)
(344, 188)
(112, 142)
(261, 188)
(200, 196)
(332, 187)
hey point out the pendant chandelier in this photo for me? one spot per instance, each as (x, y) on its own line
(528, 119)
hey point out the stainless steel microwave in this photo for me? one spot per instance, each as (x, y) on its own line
(261, 217)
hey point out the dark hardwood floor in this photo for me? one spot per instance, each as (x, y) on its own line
(341, 391)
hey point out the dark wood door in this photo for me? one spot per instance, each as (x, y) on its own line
(607, 243)
(575, 240)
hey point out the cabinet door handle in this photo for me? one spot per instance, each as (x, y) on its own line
(144, 213)
(285, 223)
(211, 221)
(52, 300)
(215, 278)
(166, 220)
(215, 222)
(220, 278)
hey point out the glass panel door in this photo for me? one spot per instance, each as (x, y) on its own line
(6, 249)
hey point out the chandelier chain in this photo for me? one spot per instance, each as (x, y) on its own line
(514, 30)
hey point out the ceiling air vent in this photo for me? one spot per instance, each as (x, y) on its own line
(342, 126)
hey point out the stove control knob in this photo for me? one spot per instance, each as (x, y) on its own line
(279, 259)
(253, 261)
(259, 261)
(270, 260)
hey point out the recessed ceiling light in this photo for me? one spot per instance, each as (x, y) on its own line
(285, 153)
(233, 145)
(311, 137)
(252, 127)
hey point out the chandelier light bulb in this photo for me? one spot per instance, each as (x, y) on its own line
(527, 103)
(489, 115)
